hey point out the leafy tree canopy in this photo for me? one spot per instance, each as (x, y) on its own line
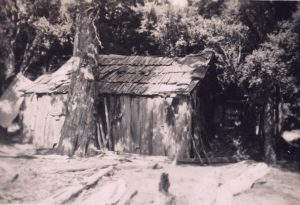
(256, 44)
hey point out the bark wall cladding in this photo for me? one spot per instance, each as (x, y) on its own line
(42, 118)
(146, 125)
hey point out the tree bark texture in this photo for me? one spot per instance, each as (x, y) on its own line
(29, 52)
(78, 134)
(270, 131)
(79, 129)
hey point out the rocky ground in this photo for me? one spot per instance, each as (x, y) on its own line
(31, 177)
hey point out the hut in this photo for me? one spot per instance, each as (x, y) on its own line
(145, 104)
(156, 105)
(43, 111)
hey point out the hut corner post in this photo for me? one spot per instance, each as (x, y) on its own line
(78, 134)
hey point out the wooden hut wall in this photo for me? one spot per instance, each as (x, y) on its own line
(202, 98)
(42, 118)
(200, 125)
(146, 125)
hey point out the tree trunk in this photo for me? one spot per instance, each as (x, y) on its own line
(29, 52)
(269, 131)
(78, 134)
(279, 123)
(7, 62)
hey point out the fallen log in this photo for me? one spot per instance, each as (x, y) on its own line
(52, 157)
(71, 192)
(110, 193)
(211, 161)
(227, 191)
(127, 198)
(84, 168)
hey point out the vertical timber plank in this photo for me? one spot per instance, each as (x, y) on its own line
(143, 122)
(109, 108)
(158, 127)
(122, 129)
(182, 129)
(42, 105)
(49, 123)
(33, 117)
(107, 122)
(126, 119)
(135, 127)
(27, 119)
(170, 129)
(148, 132)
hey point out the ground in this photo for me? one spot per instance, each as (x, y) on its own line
(28, 176)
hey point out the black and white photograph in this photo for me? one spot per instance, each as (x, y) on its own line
(141, 102)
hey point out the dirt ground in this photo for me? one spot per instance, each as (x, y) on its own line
(31, 178)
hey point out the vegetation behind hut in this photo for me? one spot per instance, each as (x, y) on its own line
(256, 44)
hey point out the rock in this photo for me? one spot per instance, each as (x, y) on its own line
(157, 166)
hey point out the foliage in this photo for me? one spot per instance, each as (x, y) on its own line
(183, 31)
(38, 33)
(272, 64)
(117, 23)
(255, 43)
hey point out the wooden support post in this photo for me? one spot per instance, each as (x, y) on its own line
(108, 135)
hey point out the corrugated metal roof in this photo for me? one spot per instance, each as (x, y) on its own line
(135, 75)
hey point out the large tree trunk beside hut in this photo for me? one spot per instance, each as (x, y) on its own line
(78, 135)
(79, 129)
